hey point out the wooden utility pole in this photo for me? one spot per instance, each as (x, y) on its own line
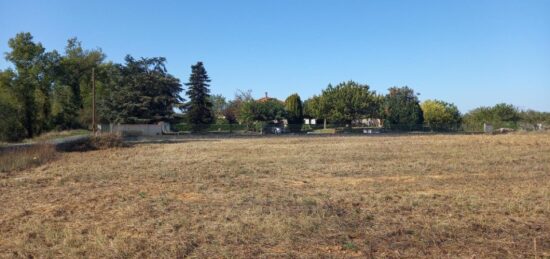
(93, 100)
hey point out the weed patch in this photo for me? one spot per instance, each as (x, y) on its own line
(19, 158)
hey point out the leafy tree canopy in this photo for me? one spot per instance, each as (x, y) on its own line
(11, 128)
(346, 102)
(401, 109)
(315, 107)
(533, 118)
(75, 74)
(27, 56)
(146, 94)
(264, 110)
(440, 115)
(219, 104)
(501, 115)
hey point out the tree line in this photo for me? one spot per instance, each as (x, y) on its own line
(51, 90)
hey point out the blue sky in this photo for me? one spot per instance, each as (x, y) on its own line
(469, 52)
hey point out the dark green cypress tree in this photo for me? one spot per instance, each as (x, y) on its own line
(199, 107)
(295, 113)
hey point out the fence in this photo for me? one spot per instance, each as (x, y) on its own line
(264, 128)
(331, 128)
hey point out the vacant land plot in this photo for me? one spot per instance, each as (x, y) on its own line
(408, 196)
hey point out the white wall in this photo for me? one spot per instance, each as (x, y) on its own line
(135, 129)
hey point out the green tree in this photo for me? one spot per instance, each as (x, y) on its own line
(75, 75)
(147, 93)
(440, 115)
(108, 78)
(64, 112)
(294, 112)
(531, 118)
(506, 113)
(219, 104)
(262, 111)
(347, 102)
(316, 108)
(199, 108)
(270, 110)
(247, 113)
(230, 113)
(48, 67)
(11, 128)
(474, 119)
(501, 115)
(401, 109)
(25, 54)
(240, 98)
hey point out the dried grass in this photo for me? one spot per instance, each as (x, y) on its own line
(97, 142)
(410, 196)
(15, 159)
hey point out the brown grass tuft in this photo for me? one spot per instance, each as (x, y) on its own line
(19, 158)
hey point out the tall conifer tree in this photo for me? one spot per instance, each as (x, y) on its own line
(199, 108)
(295, 112)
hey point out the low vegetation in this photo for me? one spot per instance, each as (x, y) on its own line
(96, 142)
(14, 158)
(58, 134)
(483, 196)
(19, 158)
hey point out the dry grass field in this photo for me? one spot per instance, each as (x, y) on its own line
(330, 197)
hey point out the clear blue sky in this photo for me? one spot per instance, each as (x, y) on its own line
(469, 52)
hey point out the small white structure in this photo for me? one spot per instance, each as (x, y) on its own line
(310, 121)
(136, 129)
(371, 131)
(369, 122)
(487, 128)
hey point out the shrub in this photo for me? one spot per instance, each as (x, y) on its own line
(96, 142)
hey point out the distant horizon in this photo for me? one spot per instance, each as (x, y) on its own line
(472, 53)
